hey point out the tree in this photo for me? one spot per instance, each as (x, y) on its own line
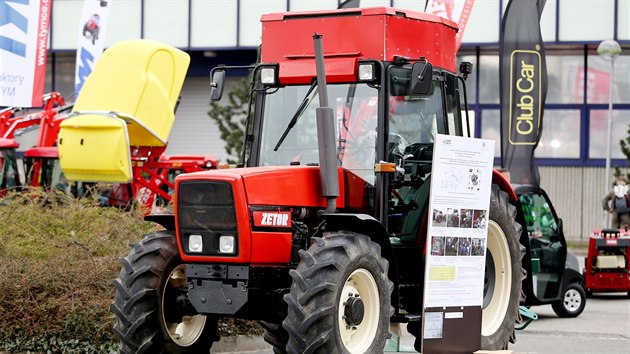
(625, 148)
(231, 116)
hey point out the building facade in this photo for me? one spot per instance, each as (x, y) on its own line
(571, 152)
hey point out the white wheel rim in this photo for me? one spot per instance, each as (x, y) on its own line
(187, 332)
(494, 313)
(357, 339)
(572, 300)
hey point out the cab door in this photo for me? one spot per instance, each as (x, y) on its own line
(547, 243)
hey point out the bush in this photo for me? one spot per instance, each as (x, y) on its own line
(58, 256)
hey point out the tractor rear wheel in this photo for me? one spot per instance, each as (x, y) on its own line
(504, 274)
(572, 303)
(340, 298)
(149, 317)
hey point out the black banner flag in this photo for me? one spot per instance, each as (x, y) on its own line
(523, 83)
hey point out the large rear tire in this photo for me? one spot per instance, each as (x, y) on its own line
(340, 298)
(504, 274)
(147, 317)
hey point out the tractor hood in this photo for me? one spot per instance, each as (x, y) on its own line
(284, 185)
(225, 203)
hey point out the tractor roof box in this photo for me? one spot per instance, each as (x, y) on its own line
(378, 33)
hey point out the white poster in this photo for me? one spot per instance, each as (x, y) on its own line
(23, 51)
(91, 39)
(457, 11)
(459, 204)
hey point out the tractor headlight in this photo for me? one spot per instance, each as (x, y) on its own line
(269, 75)
(367, 72)
(195, 243)
(226, 244)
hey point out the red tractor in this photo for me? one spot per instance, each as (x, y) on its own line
(321, 235)
(607, 264)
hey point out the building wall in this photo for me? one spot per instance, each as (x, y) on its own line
(222, 24)
(576, 193)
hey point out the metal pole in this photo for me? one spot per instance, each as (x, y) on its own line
(609, 137)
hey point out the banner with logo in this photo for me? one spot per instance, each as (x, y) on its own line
(457, 11)
(23, 51)
(523, 82)
(91, 39)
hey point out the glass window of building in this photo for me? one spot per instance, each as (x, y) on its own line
(598, 79)
(560, 134)
(489, 91)
(598, 125)
(490, 128)
(565, 78)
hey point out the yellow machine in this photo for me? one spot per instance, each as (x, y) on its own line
(128, 100)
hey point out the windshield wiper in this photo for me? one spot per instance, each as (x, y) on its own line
(297, 115)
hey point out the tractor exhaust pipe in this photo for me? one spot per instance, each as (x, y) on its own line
(325, 133)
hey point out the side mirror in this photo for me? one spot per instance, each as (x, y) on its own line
(560, 230)
(421, 78)
(217, 85)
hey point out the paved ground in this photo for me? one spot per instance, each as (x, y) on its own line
(603, 327)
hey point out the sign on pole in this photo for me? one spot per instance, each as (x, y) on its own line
(91, 39)
(456, 245)
(23, 51)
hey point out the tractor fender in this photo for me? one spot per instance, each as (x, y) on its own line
(528, 282)
(165, 220)
(367, 225)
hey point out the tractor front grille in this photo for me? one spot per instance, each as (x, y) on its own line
(206, 208)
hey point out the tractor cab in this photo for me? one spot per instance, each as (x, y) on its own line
(388, 103)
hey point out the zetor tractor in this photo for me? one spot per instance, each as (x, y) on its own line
(321, 236)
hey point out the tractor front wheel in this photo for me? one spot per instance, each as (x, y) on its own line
(150, 307)
(504, 274)
(340, 298)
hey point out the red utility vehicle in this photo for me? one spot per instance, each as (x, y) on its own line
(607, 264)
(321, 236)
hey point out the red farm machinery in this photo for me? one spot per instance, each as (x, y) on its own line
(320, 235)
(118, 128)
(39, 165)
(607, 264)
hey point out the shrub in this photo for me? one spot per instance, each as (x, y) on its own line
(58, 256)
(57, 261)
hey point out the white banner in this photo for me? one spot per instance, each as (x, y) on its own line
(459, 206)
(23, 51)
(457, 11)
(92, 31)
